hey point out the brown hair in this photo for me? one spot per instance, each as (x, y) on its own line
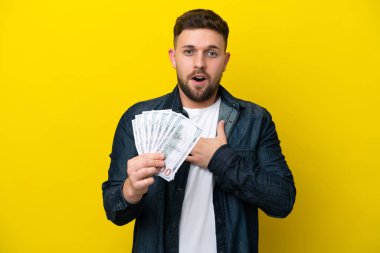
(201, 18)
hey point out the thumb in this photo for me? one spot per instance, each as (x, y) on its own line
(220, 134)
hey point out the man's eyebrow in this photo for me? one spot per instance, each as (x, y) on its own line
(188, 46)
(210, 46)
(213, 46)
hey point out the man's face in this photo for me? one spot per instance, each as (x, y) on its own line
(200, 61)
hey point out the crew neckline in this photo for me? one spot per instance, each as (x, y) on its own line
(195, 110)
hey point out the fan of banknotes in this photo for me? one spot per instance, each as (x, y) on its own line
(168, 132)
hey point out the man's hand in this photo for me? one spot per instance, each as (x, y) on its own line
(141, 170)
(206, 147)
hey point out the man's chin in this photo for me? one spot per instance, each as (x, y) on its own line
(197, 91)
(199, 94)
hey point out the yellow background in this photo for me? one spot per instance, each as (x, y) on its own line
(69, 69)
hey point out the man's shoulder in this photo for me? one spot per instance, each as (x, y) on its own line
(245, 107)
(158, 103)
(252, 110)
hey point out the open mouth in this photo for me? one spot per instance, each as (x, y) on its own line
(198, 78)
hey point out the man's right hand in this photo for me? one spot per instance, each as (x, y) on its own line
(141, 170)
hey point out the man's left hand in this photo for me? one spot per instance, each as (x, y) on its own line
(206, 147)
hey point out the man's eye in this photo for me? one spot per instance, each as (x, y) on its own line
(212, 54)
(188, 52)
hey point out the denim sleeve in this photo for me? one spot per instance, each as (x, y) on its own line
(117, 209)
(262, 177)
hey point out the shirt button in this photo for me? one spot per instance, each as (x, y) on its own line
(179, 189)
(219, 220)
(174, 224)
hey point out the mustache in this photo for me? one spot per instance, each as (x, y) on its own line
(198, 71)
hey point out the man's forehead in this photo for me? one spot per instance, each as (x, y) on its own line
(200, 38)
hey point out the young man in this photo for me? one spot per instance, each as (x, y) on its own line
(237, 167)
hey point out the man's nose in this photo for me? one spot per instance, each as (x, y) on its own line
(199, 61)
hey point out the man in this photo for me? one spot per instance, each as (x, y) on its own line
(234, 169)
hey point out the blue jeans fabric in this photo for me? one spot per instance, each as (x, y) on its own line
(250, 172)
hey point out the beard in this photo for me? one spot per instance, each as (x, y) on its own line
(197, 94)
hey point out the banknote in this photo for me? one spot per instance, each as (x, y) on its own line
(167, 132)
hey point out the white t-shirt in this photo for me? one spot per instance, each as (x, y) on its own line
(197, 224)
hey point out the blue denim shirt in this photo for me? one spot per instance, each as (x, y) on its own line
(250, 172)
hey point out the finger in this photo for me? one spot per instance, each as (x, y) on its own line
(197, 145)
(190, 159)
(154, 156)
(143, 185)
(145, 160)
(153, 160)
(145, 173)
(153, 163)
(220, 131)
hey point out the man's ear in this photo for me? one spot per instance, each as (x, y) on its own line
(228, 55)
(172, 57)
